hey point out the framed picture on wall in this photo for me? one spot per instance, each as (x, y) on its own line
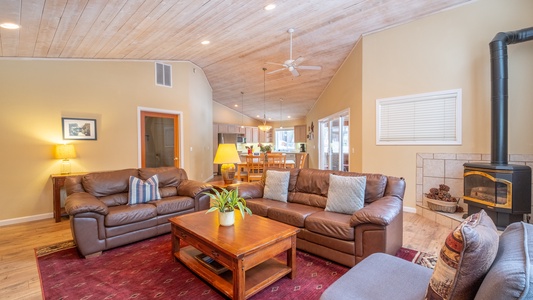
(79, 129)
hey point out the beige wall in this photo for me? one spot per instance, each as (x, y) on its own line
(444, 51)
(35, 94)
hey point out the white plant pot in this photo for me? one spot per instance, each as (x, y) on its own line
(226, 218)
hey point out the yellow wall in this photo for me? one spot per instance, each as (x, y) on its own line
(35, 94)
(343, 92)
(447, 50)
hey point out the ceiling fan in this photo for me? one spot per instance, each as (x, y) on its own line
(293, 64)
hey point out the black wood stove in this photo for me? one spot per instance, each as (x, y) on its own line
(501, 189)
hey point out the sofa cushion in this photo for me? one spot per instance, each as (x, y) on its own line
(260, 206)
(291, 213)
(276, 185)
(510, 275)
(464, 259)
(171, 205)
(168, 176)
(331, 224)
(126, 214)
(115, 199)
(100, 184)
(143, 191)
(345, 194)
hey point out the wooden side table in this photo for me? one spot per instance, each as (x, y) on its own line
(58, 181)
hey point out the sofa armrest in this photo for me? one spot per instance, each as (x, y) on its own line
(248, 190)
(192, 188)
(379, 212)
(84, 202)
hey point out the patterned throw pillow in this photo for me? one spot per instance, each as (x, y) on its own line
(143, 191)
(346, 194)
(464, 259)
(277, 185)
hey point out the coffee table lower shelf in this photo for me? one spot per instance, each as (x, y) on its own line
(256, 278)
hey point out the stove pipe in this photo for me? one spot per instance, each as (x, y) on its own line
(499, 88)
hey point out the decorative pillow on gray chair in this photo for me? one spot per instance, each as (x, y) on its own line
(277, 185)
(346, 194)
(510, 276)
(464, 259)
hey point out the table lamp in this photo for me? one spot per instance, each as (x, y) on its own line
(227, 156)
(65, 152)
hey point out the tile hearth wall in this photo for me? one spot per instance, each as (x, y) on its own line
(433, 169)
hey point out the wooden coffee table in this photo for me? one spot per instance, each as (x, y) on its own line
(246, 249)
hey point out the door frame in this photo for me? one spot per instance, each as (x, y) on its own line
(139, 131)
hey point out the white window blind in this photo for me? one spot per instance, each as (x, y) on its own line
(163, 74)
(432, 118)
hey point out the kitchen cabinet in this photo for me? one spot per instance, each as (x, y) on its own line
(265, 136)
(300, 135)
(255, 135)
(223, 128)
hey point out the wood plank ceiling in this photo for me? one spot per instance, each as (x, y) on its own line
(243, 36)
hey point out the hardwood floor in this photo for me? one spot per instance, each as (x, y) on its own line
(19, 278)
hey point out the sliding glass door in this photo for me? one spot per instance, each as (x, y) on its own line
(334, 142)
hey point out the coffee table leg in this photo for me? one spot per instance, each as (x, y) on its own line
(239, 280)
(291, 257)
(175, 245)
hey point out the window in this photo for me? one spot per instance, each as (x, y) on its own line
(163, 74)
(284, 139)
(334, 144)
(423, 119)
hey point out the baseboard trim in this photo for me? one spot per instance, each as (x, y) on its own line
(409, 209)
(26, 219)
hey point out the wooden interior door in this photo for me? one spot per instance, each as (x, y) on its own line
(159, 140)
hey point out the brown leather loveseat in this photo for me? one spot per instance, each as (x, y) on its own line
(101, 217)
(343, 238)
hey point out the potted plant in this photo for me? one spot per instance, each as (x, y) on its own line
(225, 202)
(265, 148)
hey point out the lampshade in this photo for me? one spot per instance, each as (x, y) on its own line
(65, 151)
(227, 154)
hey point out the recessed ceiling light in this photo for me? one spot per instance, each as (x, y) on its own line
(270, 6)
(206, 42)
(10, 26)
(257, 116)
(236, 105)
(288, 117)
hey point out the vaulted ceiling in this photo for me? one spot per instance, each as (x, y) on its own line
(243, 37)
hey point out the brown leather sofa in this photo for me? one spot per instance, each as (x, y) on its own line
(101, 217)
(346, 239)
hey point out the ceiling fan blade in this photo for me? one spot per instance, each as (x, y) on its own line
(298, 61)
(310, 67)
(273, 63)
(294, 72)
(275, 71)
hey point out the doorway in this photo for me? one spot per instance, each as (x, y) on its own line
(159, 139)
(334, 142)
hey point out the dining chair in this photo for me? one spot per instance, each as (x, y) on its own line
(276, 160)
(301, 163)
(254, 166)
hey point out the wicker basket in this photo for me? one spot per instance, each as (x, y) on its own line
(444, 206)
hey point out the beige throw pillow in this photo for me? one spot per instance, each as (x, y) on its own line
(346, 194)
(277, 185)
(464, 259)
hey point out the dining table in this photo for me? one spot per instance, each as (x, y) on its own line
(241, 167)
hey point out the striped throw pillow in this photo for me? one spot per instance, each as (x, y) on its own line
(143, 191)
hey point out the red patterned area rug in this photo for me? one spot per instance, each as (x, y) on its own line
(146, 270)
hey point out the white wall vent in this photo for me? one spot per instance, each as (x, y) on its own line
(163, 74)
(423, 119)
